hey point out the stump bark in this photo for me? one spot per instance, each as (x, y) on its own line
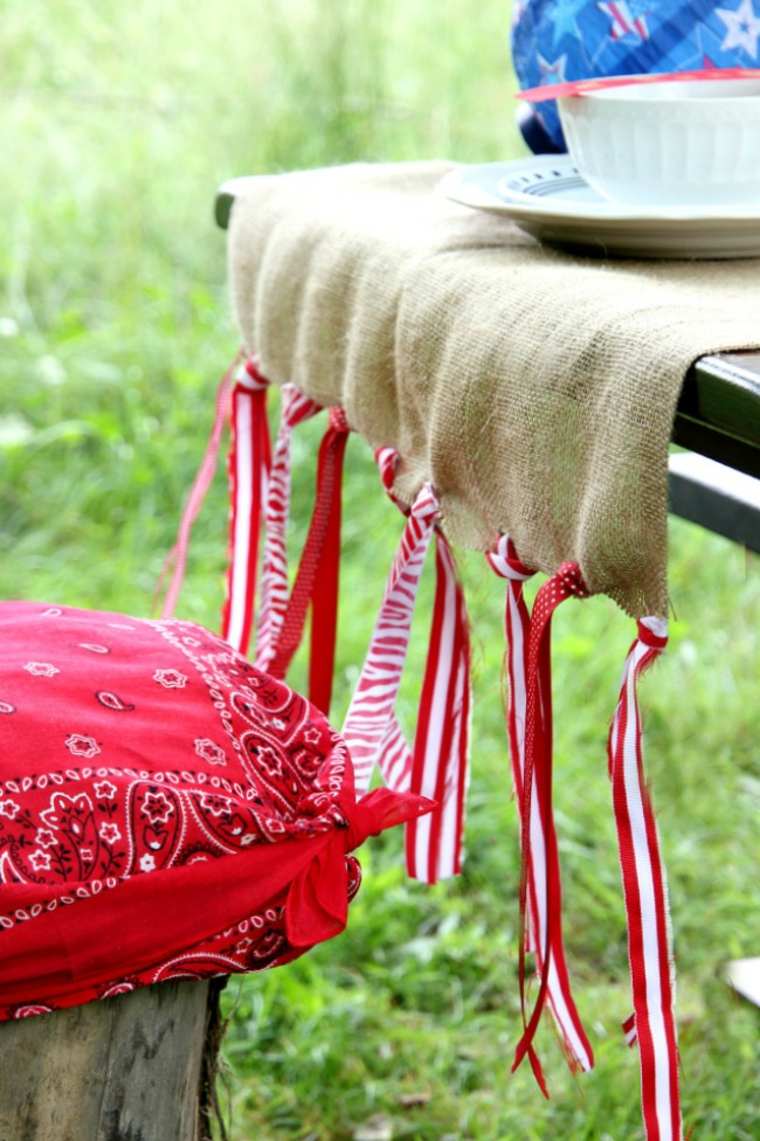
(134, 1068)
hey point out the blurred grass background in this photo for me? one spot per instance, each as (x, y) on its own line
(117, 121)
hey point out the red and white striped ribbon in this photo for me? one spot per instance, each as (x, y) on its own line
(542, 850)
(371, 730)
(438, 766)
(249, 462)
(295, 408)
(653, 1024)
(629, 1030)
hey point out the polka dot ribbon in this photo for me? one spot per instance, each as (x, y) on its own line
(437, 766)
(652, 1025)
(541, 858)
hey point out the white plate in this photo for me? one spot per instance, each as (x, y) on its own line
(545, 196)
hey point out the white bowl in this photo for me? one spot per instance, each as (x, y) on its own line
(690, 142)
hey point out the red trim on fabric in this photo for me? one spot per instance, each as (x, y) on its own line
(579, 87)
(458, 716)
(262, 459)
(371, 730)
(444, 751)
(649, 638)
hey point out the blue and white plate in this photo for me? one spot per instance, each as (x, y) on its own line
(547, 198)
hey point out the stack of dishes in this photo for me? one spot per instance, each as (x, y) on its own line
(658, 166)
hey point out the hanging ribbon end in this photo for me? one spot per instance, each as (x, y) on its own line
(524, 1048)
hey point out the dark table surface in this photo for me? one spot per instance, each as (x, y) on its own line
(719, 410)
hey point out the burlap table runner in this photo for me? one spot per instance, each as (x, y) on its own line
(536, 389)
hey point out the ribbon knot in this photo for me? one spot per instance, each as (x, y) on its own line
(653, 632)
(251, 377)
(504, 561)
(338, 419)
(388, 461)
(569, 582)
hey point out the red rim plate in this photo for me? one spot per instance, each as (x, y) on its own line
(586, 86)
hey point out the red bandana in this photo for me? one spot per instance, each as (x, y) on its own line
(166, 809)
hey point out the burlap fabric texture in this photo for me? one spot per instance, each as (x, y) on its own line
(536, 389)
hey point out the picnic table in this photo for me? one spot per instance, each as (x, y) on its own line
(136, 1065)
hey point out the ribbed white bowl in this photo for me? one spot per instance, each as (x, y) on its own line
(668, 144)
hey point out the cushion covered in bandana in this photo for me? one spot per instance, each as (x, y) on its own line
(166, 810)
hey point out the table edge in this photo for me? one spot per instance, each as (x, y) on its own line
(718, 412)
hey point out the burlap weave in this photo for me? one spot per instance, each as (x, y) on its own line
(536, 389)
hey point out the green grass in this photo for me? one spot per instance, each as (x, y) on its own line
(117, 122)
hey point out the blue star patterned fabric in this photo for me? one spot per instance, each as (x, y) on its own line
(558, 40)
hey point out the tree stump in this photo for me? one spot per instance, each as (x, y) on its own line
(135, 1068)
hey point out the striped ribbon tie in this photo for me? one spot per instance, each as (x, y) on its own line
(295, 408)
(652, 1025)
(316, 582)
(438, 765)
(248, 468)
(542, 859)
